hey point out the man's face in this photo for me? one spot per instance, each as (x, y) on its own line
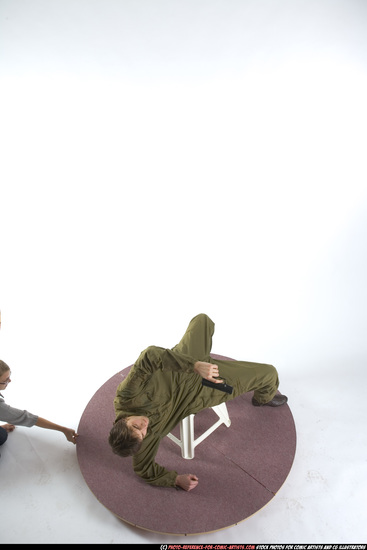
(138, 425)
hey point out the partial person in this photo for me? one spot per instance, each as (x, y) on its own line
(17, 417)
(165, 385)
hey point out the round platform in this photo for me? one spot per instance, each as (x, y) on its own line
(240, 468)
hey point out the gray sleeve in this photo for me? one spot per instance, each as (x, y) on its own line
(16, 416)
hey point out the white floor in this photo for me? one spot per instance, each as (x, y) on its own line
(161, 159)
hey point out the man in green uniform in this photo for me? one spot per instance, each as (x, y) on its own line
(164, 386)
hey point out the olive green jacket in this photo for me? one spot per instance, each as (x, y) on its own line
(163, 386)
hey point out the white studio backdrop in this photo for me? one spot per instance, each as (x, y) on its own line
(162, 159)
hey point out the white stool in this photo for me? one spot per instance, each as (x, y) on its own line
(188, 441)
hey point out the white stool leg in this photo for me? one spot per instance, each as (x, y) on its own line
(187, 441)
(187, 436)
(222, 411)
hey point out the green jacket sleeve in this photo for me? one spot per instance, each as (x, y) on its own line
(154, 358)
(146, 467)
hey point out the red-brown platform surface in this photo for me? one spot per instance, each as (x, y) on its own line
(240, 468)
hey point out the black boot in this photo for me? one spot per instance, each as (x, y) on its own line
(275, 402)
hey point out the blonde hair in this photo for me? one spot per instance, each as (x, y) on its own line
(3, 367)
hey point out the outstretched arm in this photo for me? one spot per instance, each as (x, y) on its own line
(69, 433)
(209, 371)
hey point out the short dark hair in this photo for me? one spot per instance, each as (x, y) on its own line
(122, 440)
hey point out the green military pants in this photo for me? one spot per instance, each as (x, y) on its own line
(244, 376)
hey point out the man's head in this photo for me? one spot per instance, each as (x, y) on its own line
(4, 375)
(127, 434)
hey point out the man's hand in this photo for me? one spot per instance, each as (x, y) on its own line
(187, 481)
(207, 371)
